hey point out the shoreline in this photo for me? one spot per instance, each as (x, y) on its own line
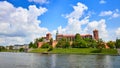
(85, 51)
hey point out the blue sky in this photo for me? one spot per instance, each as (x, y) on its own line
(21, 21)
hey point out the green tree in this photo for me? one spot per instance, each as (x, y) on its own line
(117, 44)
(79, 42)
(63, 43)
(78, 37)
(50, 48)
(40, 39)
(31, 45)
(51, 41)
(101, 44)
(2, 48)
(111, 44)
(21, 49)
(45, 45)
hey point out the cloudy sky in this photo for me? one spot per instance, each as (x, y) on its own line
(21, 21)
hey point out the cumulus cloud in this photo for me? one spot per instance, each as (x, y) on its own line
(112, 14)
(100, 26)
(20, 25)
(39, 1)
(118, 32)
(74, 24)
(106, 13)
(102, 2)
(76, 20)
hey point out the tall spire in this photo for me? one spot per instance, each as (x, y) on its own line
(57, 32)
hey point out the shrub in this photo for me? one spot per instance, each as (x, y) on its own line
(45, 45)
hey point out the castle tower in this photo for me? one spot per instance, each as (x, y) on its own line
(56, 35)
(48, 36)
(95, 34)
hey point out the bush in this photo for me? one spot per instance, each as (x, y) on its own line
(21, 49)
(96, 51)
(45, 45)
(50, 48)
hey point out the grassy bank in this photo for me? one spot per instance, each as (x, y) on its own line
(77, 51)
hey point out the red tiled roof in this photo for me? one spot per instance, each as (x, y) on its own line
(61, 35)
(69, 35)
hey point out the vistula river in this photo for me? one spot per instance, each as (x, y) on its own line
(36, 60)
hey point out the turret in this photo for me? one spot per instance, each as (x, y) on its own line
(95, 34)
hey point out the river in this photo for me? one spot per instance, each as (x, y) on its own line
(36, 60)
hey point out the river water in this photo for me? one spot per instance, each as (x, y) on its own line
(36, 60)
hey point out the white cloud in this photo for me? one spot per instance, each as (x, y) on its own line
(106, 13)
(20, 25)
(112, 14)
(76, 21)
(100, 26)
(74, 24)
(102, 2)
(118, 32)
(39, 1)
(115, 15)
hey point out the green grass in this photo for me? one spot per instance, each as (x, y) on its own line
(77, 51)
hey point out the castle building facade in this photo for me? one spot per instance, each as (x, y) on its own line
(72, 37)
(68, 37)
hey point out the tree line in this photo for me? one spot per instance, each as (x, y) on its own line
(78, 42)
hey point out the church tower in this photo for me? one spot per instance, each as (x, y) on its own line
(56, 35)
(95, 34)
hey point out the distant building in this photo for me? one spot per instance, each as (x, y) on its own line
(68, 37)
(45, 40)
(95, 34)
(71, 37)
(17, 47)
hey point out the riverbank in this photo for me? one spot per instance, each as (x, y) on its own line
(77, 51)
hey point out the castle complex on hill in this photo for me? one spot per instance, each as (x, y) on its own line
(68, 37)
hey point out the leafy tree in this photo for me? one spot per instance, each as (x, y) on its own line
(111, 44)
(79, 42)
(21, 49)
(101, 44)
(117, 44)
(78, 37)
(50, 48)
(63, 43)
(2, 48)
(45, 45)
(40, 39)
(31, 45)
(51, 41)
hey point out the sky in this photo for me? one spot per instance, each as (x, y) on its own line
(22, 21)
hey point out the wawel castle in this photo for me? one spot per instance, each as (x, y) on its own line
(68, 37)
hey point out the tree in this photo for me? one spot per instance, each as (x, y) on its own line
(111, 44)
(2, 48)
(79, 42)
(101, 44)
(45, 45)
(40, 39)
(30, 45)
(78, 37)
(50, 48)
(117, 44)
(51, 41)
(21, 49)
(63, 43)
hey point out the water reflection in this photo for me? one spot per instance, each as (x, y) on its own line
(36, 60)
